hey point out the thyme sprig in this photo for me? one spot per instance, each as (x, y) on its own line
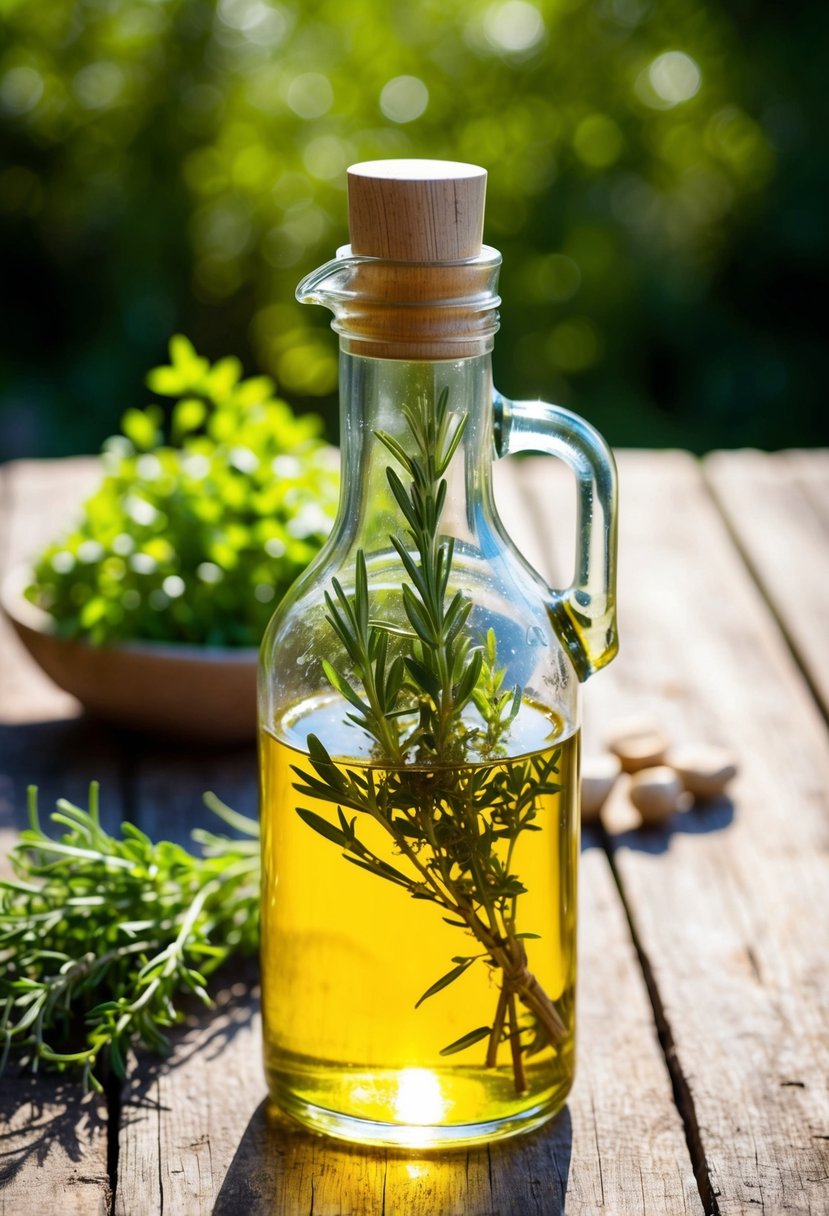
(101, 936)
(456, 824)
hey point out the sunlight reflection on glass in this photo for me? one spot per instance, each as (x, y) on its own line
(419, 1099)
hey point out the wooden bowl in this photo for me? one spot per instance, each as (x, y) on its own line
(193, 693)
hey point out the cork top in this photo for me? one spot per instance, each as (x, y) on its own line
(415, 282)
(416, 210)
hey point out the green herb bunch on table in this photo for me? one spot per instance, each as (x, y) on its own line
(103, 937)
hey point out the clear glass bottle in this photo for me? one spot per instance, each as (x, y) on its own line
(419, 713)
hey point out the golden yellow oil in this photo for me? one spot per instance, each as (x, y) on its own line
(345, 956)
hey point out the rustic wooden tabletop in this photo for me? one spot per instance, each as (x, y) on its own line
(702, 1080)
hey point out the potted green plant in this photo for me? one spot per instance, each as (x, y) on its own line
(151, 607)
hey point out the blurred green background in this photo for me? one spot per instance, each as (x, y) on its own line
(656, 182)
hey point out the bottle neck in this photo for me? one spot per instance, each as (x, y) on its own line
(410, 311)
(374, 396)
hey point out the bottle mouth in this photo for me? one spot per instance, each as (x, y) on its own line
(409, 310)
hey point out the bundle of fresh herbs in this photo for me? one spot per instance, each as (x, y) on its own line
(206, 514)
(102, 936)
(442, 787)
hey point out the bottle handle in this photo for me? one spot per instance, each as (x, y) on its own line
(584, 614)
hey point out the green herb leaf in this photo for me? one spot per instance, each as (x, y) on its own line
(467, 1040)
(444, 982)
(342, 686)
(322, 826)
(381, 868)
(423, 677)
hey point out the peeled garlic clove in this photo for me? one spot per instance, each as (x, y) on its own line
(598, 776)
(703, 769)
(655, 793)
(639, 747)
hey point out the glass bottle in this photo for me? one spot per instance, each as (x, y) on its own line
(419, 713)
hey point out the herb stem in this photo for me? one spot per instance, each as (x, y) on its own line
(515, 1045)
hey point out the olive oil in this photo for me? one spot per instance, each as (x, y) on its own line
(347, 955)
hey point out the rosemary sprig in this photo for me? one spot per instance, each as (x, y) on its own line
(455, 822)
(433, 680)
(101, 936)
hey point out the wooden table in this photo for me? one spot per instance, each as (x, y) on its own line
(703, 994)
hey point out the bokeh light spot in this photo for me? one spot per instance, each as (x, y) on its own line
(20, 90)
(98, 85)
(245, 15)
(173, 586)
(404, 98)
(674, 77)
(209, 573)
(310, 95)
(63, 562)
(326, 157)
(514, 26)
(627, 13)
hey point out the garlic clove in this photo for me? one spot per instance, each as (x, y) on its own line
(703, 769)
(598, 776)
(655, 793)
(639, 746)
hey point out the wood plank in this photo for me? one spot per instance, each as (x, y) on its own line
(777, 506)
(53, 1142)
(192, 1142)
(53, 1154)
(811, 467)
(729, 901)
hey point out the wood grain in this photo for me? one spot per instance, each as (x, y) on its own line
(416, 210)
(53, 1153)
(777, 507)
(730, 902)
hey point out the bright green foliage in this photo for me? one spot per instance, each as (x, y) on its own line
(101, 937)
(656, 175)
(195, 539)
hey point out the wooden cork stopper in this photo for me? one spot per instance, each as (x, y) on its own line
(416, 210)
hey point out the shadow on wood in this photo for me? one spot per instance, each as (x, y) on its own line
(60, 756)
(49, 1123)
(279, 1169)
(712, 816)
